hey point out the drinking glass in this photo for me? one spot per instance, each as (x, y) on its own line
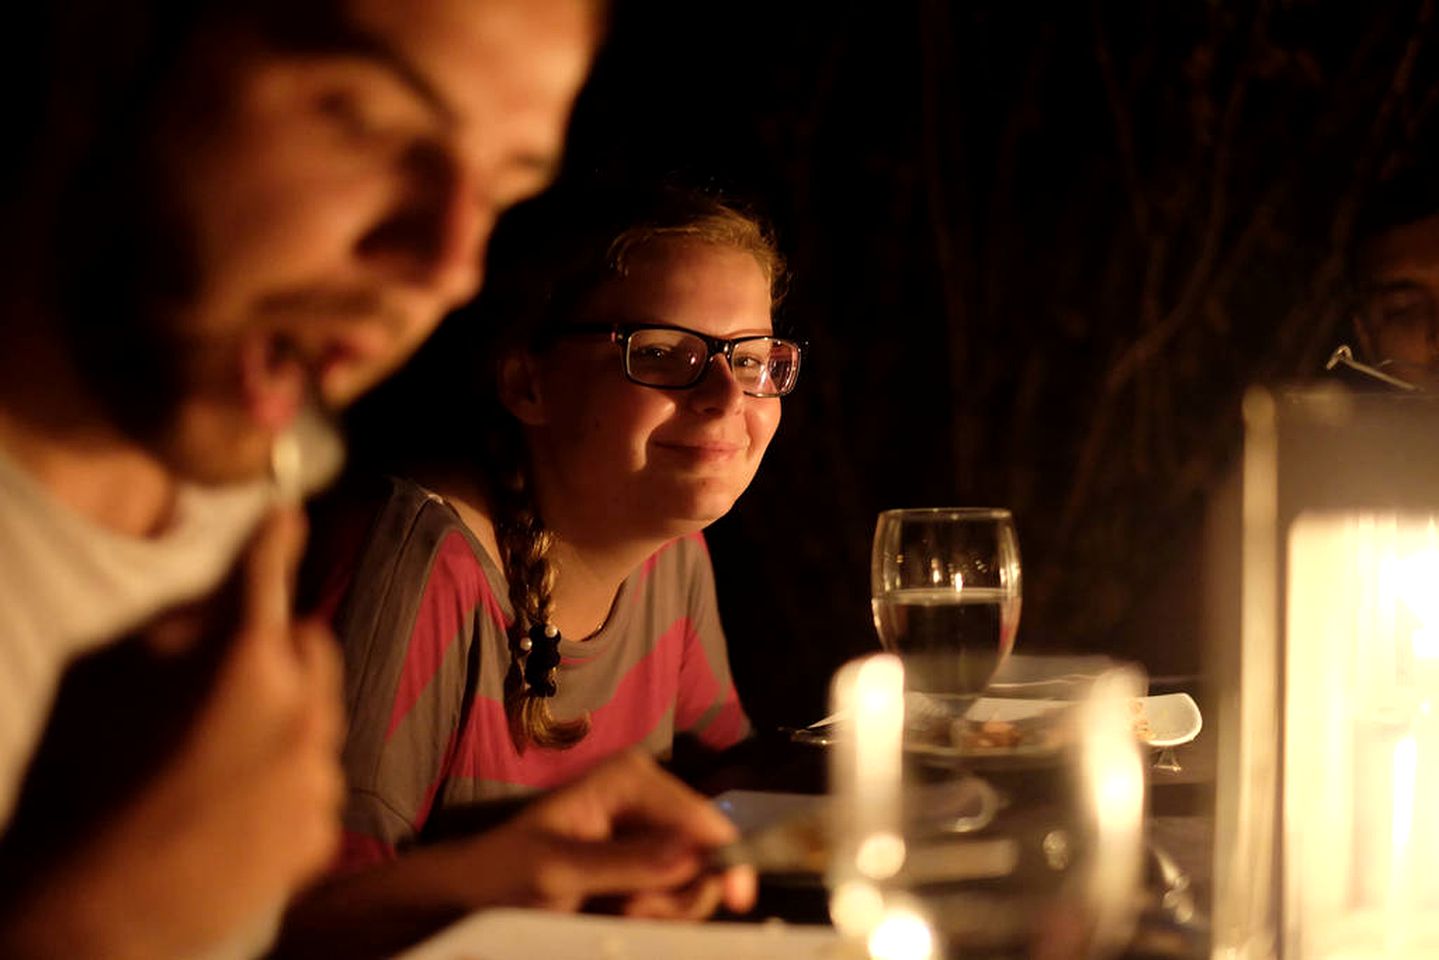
(946, 581)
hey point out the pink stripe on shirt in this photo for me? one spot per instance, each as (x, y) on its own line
(358, 850)
(456, 586)
(642, 698)
(699, 691)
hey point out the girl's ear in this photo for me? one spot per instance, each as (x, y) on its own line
(520, 389)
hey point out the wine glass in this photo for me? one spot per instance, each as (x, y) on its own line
(946, 581)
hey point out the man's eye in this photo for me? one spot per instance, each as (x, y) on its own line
(352, 119)
(1409, 313)
(747, 363)
(652, 352)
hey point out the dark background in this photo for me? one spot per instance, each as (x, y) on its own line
(1038, 251)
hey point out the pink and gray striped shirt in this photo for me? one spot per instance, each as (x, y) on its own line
(422, 622)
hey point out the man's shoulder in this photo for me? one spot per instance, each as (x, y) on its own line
(81, 584)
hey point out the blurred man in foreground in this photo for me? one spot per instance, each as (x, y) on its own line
(231, 217)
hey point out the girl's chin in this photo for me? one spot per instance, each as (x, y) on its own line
(686, 515)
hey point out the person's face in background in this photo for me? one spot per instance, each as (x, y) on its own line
(1397, 322)
(336, 205)
(646, 462)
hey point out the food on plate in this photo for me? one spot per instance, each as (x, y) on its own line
(992, 735)
(1045, 730)
(989, 734)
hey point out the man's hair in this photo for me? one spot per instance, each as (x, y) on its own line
(88, 75)
(95, 230)
(94, 226)
(1404, 198)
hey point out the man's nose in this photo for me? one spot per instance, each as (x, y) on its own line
(433, 237)
(718, 393)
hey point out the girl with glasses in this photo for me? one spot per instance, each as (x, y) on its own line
(535, 595)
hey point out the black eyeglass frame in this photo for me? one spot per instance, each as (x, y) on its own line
(620, 333)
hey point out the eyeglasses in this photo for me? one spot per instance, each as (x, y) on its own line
(674, 358)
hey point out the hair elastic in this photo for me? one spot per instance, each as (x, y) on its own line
(541, 648)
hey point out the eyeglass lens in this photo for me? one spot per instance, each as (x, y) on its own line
(763, 366)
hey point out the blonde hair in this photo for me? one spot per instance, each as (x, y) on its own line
(724, 226)
(525, 545)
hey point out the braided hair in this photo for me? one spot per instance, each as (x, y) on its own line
(525, 543)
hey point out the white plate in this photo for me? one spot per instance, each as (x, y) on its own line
(512, 934)
(754, 810)
(1173, 718)
(1048, 676)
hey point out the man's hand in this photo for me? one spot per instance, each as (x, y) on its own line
(244, 812)
(257, 784)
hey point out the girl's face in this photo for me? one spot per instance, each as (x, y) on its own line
(632, 460)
